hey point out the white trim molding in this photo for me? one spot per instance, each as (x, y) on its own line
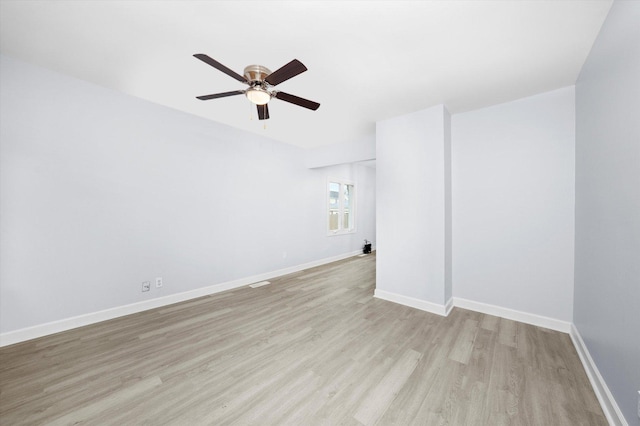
(512, 314)
(607, 402)
(444, 310)
(65, 324)
(412, 302)
(448, 307)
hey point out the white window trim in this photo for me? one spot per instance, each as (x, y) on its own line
(354, 198)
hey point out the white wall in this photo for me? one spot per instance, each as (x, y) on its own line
(342, 153)
(513, 204)
(101, 191)
(411, 231)
(607, 272)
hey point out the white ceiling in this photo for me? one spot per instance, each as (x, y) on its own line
(367, 60)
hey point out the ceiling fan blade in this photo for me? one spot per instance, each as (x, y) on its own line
(284, 73)
(297, 100)
(217, 65)
(220, 95)
(263, 112)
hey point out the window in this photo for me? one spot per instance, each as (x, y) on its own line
(341, 211)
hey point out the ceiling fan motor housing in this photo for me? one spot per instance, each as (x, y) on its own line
(256, 73)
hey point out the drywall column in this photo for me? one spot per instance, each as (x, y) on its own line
(607, 237)
(413, 220)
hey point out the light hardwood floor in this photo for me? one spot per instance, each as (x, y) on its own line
(311, 348)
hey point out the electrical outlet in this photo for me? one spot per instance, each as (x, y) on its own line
(158, 282)
(146, 286)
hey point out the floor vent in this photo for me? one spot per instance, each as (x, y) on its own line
(260, 284)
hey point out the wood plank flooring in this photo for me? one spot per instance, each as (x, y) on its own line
(311, 348)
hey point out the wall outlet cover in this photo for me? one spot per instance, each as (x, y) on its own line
(158, 282)
(146, 286)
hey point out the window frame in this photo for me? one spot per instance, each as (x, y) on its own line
(341, 208)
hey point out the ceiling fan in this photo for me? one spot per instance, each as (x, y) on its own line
(261, 82)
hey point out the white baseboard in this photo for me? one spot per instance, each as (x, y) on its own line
(512, 314)
(607, 402)
(40, 330)
(412, 302)
(498, 311)
(448, 307)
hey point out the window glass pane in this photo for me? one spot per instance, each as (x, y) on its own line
(334, 206)
(347, 217)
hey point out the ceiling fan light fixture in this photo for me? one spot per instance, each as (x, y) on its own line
(258, 95)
